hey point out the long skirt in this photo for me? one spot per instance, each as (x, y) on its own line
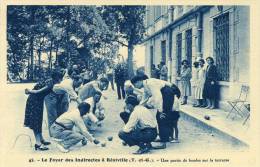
(210, 91)
(34, 113)
(198, 92)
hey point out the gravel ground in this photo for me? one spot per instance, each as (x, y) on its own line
(193, 137)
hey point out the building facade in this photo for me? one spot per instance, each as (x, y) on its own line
(175, 33)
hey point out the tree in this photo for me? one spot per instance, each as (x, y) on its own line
(129, 22)
(33, 30)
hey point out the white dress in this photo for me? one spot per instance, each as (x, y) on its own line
(200, 83)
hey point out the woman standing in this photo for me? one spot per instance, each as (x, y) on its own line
(195, 78)
(34, 109)
(210, 86)
(200, 84)
(185, 78)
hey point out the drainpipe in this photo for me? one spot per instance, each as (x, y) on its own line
(200, 29)
(170, 55)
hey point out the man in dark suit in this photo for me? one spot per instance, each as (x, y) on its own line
(120, 78)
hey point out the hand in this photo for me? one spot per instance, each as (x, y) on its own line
(27, 91)
(149, 106)
(162, 115)
(96, 141)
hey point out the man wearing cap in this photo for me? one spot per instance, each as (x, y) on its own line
(141, 127)
(97, 112)
(63, 128)
(88, 90)
(156, 96)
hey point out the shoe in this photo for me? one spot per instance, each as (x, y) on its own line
(157, 140)
(212, 107)
(84, 142)
(149, 145)
(161, 146)
(207, 107)
(196, 105)
(142, 150)
(40, 147)
(61, 148)
(183, 103)
(175, 141)
(45, 142)
(124, 143)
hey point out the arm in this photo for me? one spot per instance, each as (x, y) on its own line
(146, 96)
(80, 124)
(92, 117)
(131, 122)
(186, 74)
(66, 88)
(28, 91)
(59, 89)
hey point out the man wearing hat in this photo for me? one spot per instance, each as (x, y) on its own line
(141, 128)
(158, 95)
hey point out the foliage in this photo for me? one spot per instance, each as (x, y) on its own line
(56, 30)
(129, 25)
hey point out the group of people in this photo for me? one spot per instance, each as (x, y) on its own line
(205, 90)
(204, 78)
(151, 108)
(159, 72)
(67, 124)
(150, 114)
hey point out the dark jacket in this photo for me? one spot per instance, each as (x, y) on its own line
(120, 73)
(211, 73)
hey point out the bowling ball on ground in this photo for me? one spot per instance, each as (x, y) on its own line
(103, 144)
(110, 138)
(207, 117)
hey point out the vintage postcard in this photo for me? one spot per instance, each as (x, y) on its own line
(125, 83)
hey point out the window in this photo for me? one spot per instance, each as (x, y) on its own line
(163, 51)
(221, 46)
(178, 52)
(151, 56)
(188, 45)
(157, 12)
(180, 10)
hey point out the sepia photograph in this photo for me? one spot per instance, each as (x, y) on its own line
(127, 80)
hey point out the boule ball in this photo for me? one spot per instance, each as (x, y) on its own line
(207, 117)
(109, 138)
(103, 144)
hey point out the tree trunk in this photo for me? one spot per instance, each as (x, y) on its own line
(40, 55)
(32, 59)
(50, 56)
(130, 60)
(56, 53)
(28, 69)
(67, 36)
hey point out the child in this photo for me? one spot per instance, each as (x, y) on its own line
(175, 117)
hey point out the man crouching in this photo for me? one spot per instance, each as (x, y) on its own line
(141, 127)
(62, 128)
